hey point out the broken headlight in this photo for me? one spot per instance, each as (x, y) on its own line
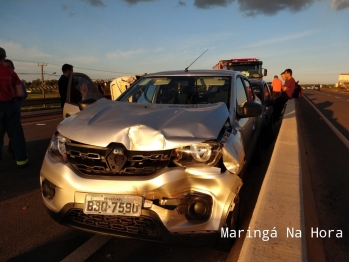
(57, 148)
(198, 155)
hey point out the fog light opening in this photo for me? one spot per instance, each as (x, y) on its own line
(48, 189)
(198, 210)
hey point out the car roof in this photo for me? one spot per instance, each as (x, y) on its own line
(195, 73)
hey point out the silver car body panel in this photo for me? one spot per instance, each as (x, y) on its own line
(145, 126)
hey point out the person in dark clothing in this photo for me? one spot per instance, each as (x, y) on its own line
(287, 91)
(10, 115)
(63, 82)
(101, 87)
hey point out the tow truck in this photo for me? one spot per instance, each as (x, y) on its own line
(250, 67)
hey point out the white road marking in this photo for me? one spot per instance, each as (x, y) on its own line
(87, 249)
(48, 120)
(41, 124)
(335, 130)
(337, 97)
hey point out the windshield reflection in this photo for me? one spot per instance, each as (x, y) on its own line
(179, 90)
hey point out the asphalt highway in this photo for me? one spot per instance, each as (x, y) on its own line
(325, 163)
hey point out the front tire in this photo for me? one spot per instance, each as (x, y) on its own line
(232, 223)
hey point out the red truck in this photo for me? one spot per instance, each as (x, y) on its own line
(251, 67)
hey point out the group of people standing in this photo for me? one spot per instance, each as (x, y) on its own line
(11, 93)
(282, 92)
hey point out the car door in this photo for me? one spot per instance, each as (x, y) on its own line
(268, 108)
(246, 125)
(80, 87)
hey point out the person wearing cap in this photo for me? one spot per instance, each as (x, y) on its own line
(10, 116)
(63, 82)
(286, 93)
(276, 84)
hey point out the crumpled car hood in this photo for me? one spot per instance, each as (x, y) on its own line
(145, 126)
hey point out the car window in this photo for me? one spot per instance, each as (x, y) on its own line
(179, 90)
(81, 89)
(249, 90)
(266, 93)
(241, 97)
(150, 92)
(256, 89)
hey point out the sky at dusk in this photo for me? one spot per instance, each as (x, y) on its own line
(106, 39)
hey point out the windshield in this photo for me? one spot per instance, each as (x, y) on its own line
(250, 70)
(179, 90)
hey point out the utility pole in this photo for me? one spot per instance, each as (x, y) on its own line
(42, 78)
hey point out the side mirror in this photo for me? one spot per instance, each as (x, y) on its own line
(265, 71)
(85, 103)
(252, 109)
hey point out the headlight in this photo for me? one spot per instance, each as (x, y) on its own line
(198, 155)
(57, 148)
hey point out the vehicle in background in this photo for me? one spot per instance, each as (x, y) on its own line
(250, 67)
(262, 91)
(162, 163)
(121, 84)
(316, 87)
(309, 87)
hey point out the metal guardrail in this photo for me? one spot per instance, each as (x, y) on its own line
(41, 101)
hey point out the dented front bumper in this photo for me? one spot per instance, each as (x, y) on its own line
(168, 196)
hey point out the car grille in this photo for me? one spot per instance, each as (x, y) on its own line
(120, 225)
(115, 160)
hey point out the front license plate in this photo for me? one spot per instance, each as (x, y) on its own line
(118, 205)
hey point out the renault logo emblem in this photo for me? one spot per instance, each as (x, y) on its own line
(118, 151)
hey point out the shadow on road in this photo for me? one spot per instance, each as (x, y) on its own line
(15, 181)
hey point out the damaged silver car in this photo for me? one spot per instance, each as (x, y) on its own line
(162, 163)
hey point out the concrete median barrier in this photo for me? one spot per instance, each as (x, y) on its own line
(276, 230)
